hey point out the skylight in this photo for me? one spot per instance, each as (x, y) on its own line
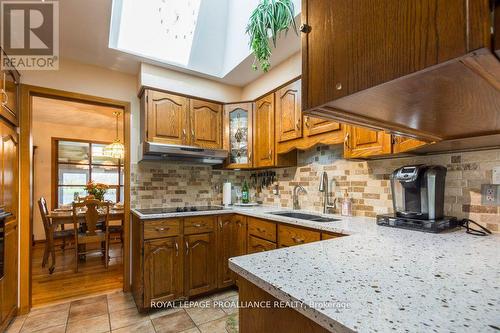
(162, 30)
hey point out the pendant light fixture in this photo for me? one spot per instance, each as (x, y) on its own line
(116, 149)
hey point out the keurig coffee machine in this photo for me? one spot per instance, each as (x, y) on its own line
(418, 199)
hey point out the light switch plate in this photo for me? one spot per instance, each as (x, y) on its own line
(496, 176)
(490, 195)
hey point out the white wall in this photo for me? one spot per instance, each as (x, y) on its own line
(183, 83)
(286, 71)
(92, 80)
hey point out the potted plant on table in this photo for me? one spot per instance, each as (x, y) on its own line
(98, 190)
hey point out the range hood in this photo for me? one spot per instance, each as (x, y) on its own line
(455, 104)
(181, 154)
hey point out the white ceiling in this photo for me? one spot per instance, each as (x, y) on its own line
(70, 113)
(84, 36)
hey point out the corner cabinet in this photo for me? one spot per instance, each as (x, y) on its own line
(264, 132)
(238, 135)
(172, 119)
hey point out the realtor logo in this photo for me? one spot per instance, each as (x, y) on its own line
(30, 35)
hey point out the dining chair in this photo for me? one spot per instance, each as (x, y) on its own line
(51, 235)
(96, 211)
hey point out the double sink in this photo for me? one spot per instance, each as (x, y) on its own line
(305, 216)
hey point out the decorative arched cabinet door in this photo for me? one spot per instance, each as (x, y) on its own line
(200, 267)
(206, 124)
(288, 112)
(238, 135)
(167, 118)
(162, 269)
(264, 132)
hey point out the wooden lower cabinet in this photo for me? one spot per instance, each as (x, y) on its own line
(231, 242)
(291, 236)
(8, 284)
(162, 269)
(200, 267)
(256, 244)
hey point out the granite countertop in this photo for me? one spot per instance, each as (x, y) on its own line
(379, 278)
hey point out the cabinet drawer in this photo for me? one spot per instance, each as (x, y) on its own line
(262, 229)
(162, 228)
(199, 224)
(256, 244)
(330, 235)
(290, 236)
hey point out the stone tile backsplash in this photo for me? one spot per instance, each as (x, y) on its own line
(367, 182)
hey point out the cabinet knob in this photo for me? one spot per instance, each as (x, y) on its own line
(176, 249)
(197, 225)
(338, 86)
(187, 247)
(305, 28)
(161, 228)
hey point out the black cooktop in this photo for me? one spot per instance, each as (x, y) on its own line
(151, 211)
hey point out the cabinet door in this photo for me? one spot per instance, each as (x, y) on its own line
(240, 247)
(9, 281)
(291, 236)
(238, 135)
(256, 244)
(264, 131)
(162, 269)
(288, 112)
(362, 142)
(200, 267)
(315, 126)
(8, 169)
(226, 242)
(206, 124)
(167, 118)
(402, 144)
(10, 95)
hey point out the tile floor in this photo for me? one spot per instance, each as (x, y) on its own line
(117, 312)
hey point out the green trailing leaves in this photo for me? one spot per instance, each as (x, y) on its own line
(268, 21)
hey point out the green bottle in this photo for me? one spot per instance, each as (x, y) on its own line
(245, 194)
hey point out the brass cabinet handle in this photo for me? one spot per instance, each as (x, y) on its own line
(270, 154)
(220, 225)
(176, 249)
(261, 230)
(346, 141)
(298, 124)
(184, 133)
(187, 247)
(192, 134)
(198, 225)
(5, 97)
(307, 122)
(298, 240)
(250, 157)
(161, 228)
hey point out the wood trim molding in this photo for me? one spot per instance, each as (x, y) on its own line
(25, 176)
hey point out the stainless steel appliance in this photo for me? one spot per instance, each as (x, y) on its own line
(167, 210)
(418, 199)
(186, 154)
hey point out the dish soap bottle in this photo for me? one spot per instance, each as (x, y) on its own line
(245, 195)
(346, 209)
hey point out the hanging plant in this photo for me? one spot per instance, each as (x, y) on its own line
(268, 20)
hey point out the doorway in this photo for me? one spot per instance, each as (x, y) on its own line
(67, 135)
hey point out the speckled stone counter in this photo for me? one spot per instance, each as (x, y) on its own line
(379, 279)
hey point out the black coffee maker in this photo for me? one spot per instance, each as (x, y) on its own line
(418, 199)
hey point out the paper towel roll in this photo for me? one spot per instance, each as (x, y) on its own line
(226, 194)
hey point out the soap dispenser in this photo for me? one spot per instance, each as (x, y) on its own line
(346, 209)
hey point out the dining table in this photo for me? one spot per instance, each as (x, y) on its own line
(60, 217)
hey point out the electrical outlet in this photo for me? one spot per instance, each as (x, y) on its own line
(496, 176)
(490, 195)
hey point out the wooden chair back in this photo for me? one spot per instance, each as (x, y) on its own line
(96, 210)
(44, 211)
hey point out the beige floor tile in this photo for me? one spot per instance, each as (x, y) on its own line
(163, 312)
(99, 324)
(203, 314)
(44, 320)
(228, 305)
(120, 302)
(87, 310)
(140, 327)
(215, 326)
(126, 317)
(173, 323)
(51, 308)
(191, 330)
(225, 294)
(89, 300)
(54, 329)
(16, 324)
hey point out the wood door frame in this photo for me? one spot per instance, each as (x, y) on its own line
(25, 184)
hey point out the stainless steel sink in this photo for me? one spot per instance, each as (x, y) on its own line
(305, 216)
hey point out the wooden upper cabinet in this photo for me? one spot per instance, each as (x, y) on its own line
(401, 144)
(314, 126)
(9, 96)
(361, 142)
(238, 135)
(162, 269)
(348, 46)
(167, 118)
(206, 124)
(9, 169)
(264, 132)
(288, 112)
(200, 266)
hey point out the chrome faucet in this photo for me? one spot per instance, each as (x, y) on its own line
(323, 187)
(296, 204)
